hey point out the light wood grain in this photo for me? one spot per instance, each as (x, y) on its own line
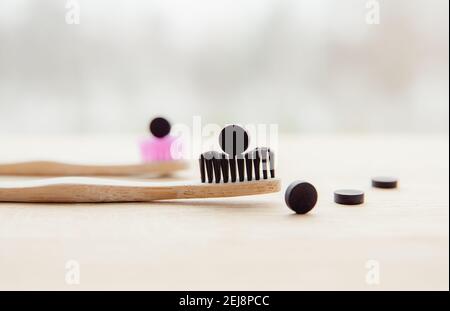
(53, 168)
(252, 242)
(96, 190)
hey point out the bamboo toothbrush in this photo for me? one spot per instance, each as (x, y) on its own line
(155, 152)
(218, 172)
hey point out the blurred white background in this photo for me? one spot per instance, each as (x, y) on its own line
(309, 65)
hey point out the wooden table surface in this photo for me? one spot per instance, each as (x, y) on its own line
(241, 243)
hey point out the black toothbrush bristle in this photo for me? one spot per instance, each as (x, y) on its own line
(256, 163)
(202, 168)
(209, 170)
(241, 168)
(264, 159)
(248, 167)
(208, 160)
(217, 167)
(232, 162)
(225, 168)
(272, 163)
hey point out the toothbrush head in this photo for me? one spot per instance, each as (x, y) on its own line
(234, 164)
(218, 167)
(159, 147)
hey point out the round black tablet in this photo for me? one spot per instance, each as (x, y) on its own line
(233, 140)
(160, 127)
(301, 197)
(349, 197)
(384, 182)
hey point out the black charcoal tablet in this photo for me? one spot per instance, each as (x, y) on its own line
(384, 182)
(301, 197)
(349, 197)
(160, 127)
(233, 140)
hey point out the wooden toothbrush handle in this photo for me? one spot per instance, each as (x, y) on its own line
(84, 190)
(49, 168)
